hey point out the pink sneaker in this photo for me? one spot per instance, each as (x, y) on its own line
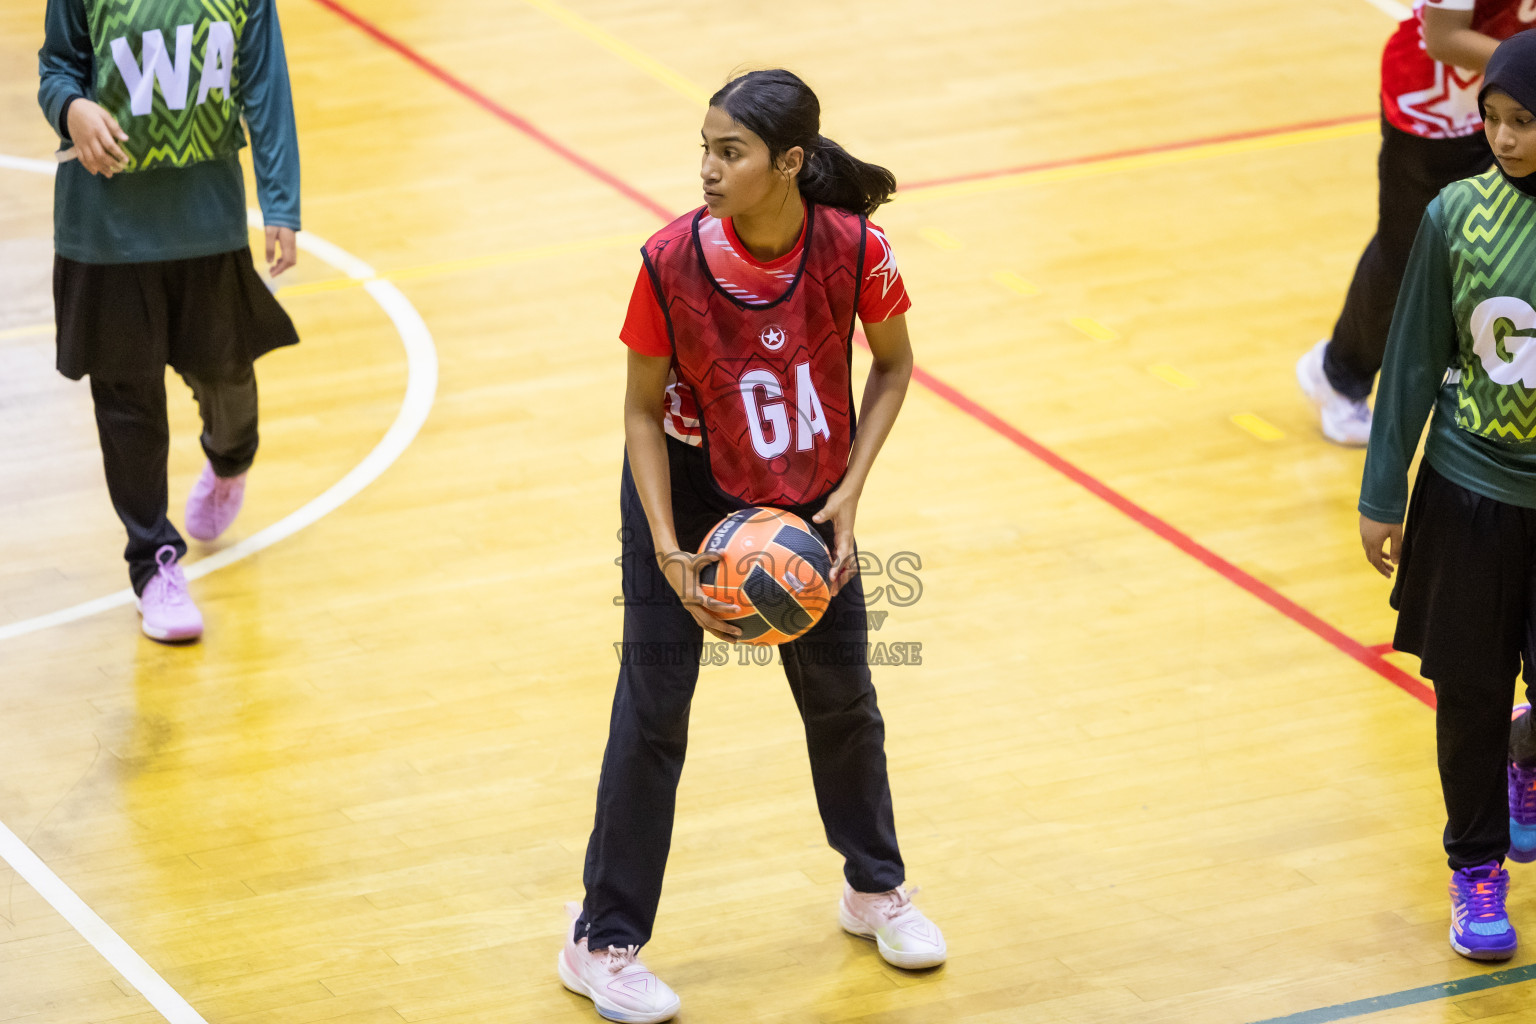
(167, 608)
(213, 503)
(904, 936)
(619, 985)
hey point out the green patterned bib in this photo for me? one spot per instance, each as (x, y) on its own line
(1488, 226)
(166, 69)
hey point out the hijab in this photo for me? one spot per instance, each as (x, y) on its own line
(1512, 71)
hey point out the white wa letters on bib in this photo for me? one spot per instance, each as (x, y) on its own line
(157, 66)
(768, 420)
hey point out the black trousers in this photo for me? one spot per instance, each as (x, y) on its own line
(136, 442)
(1466, 600)
(1410, 172)
(648, 731)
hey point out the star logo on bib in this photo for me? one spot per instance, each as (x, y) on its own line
(773, 338)
(1450, 105)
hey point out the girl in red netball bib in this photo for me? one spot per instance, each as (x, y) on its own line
(1431, 135)
(740, 392)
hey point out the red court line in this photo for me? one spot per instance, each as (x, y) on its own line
(1165, 147)
(483, 101)
(1370, 657)
(1366, 656)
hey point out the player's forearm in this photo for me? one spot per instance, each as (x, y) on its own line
(63, 64)
(646, 447)
(268, 111)
(1449, 39)
(1466, 49)
(1420, 346)
(884, 393)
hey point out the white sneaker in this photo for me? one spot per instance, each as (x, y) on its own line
(1346, 421)
(619, 985)
(904, 936)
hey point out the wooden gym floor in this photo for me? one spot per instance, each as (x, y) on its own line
(1153, 766)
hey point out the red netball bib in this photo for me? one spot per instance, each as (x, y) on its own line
(772, 381)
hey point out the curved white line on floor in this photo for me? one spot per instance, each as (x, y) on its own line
(420, 389)
(1392, 9)
(21, 163)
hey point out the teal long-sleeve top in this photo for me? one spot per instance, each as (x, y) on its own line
(1421, 346)
(171, 213)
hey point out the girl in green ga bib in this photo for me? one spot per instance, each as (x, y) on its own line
(1463, 344)
(152, 267)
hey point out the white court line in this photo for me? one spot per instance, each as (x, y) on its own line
(21, 163)
(1392, 9)
(96, 931)
(420, 388)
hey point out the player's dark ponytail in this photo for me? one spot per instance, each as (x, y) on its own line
(783, 111)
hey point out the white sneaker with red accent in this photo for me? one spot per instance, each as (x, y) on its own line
(904, 936)
(619, 985)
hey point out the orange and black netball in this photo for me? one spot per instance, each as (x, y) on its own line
(772, 566)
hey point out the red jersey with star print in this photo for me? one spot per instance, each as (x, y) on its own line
(881, 296)
(1424, 97)
(761, 351)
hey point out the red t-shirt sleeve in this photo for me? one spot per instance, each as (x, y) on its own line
(883, 294)
(645, 328)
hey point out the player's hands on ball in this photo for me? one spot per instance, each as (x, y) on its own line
(286, 240)
(96, 135)
(681, 568)
(1376, 538)
(841, 507)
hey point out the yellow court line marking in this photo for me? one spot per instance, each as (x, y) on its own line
(1169, 375)
(1142, 162)
(1095, 330)
(1014, 283)
(471, 263)
(680, 84)
(517, 256)
(26, 332)
(622, 50)
(1258, 426)
(335, 284)
(941, 239)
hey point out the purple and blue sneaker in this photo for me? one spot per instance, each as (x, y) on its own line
(1522, 804)
(1480, 928)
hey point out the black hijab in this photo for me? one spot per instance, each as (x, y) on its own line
(1512, 71)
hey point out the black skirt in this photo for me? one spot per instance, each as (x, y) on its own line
(209, 316)
(1466, 584)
